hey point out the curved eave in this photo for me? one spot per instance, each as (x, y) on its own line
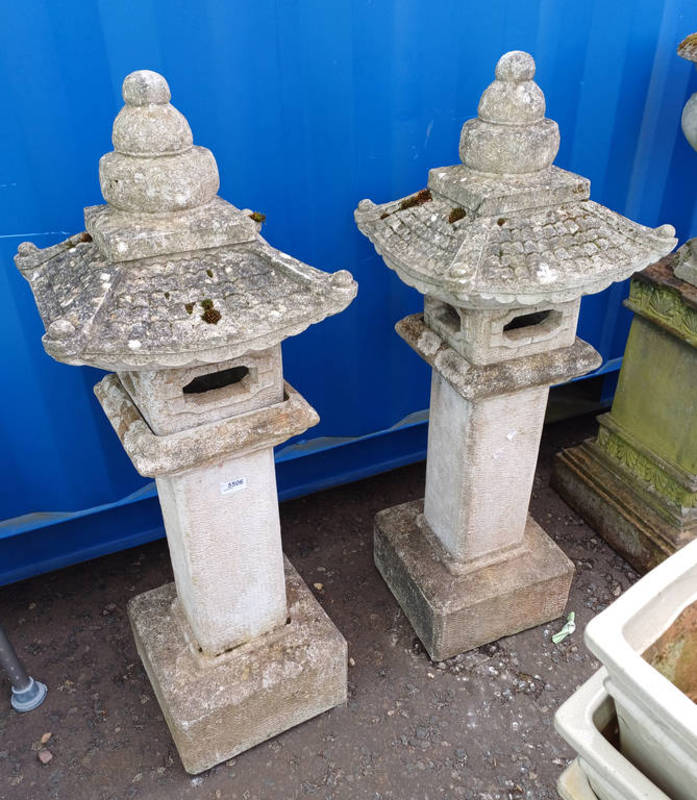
(156, 360)
(461, 282)
(79, 314)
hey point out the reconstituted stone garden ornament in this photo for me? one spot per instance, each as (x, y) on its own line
(502, 246)
(636, 482)
(174, 290)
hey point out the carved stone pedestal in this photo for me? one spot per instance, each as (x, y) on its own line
(636, 482)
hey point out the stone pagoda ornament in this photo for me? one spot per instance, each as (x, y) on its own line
(502, 246)
(174, 290)
(636, 482)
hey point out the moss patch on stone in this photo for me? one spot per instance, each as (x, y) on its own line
(189, 308)
(456, 214)
(257, 216)
(418, 199)
(211, 316)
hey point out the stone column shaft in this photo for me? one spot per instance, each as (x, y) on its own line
(480, 467)
(231, 586)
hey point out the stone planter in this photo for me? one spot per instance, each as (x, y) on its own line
(588, 722)
(647, 641)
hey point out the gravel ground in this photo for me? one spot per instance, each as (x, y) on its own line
(478, 726)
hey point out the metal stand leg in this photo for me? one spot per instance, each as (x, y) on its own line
(27, 694)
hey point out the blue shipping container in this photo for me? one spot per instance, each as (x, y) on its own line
(308, 106)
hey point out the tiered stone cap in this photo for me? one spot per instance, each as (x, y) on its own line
(168, 274)
(506, 227)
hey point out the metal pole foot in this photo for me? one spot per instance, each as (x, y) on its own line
(29, 698)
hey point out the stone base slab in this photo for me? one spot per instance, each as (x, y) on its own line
(614, 510)
(217, 707)
(452, 613)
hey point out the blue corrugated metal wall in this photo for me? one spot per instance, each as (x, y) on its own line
(309, 106)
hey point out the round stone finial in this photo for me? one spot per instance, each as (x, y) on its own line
(511, 135)
(155, 167)
(515, 66)
(145, 87)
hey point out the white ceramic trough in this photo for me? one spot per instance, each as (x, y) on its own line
(602, 771)
(657, 617)
(573, 784)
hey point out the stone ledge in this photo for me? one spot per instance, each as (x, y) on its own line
(665, 300)
(218, 707)
(615, 511)
(491, 195)
(154, 456)
(122, 236)
(475, 382)
(455, 613)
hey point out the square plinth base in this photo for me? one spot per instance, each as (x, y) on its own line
(217, 707)
(614, 510)
(452, 613)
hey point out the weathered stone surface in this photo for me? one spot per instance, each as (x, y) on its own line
(149, 314)
(503, 246)
(661, 296)
(224, 538)
(511, 133)
(121, 238)
(475, 382)
(168, 403)
(488, 336)
(174, 289)
(480, 467)
(169, 275)
(524, 233)
(154, 456)
(217, 707)
(613, 507)
(453, 612)
(688, 48)
(636, 483)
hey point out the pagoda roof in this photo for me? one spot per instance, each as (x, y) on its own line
(179, 310)
(167, 274)
(506, 227)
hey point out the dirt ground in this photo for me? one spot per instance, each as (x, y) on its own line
(478, 726)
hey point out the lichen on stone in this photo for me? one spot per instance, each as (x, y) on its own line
(257, 216)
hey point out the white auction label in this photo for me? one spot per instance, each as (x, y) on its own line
(233, 486)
